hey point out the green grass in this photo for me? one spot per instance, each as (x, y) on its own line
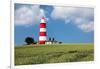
(41, 54)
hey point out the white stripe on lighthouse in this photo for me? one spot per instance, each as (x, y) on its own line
(43, 21)
(42, 38)
(42, 29)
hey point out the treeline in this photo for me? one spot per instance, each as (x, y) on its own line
(30, 40)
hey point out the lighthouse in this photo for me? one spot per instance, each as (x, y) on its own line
(42, 33)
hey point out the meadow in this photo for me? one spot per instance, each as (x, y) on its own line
(57, 53)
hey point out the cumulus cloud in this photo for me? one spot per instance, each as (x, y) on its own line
(86, 27)
(28, 15)
(83, 18)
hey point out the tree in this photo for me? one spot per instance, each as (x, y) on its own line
(60, 42)
(49, 38)
(53, 39)
(29, 40)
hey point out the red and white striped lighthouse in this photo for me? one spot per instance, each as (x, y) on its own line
(42, 33)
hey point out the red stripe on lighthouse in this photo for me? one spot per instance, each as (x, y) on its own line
(42, 33)
(41, 42)
(42, 25)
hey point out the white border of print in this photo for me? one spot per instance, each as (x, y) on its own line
(74, 3)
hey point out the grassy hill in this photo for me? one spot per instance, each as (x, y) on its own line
(41, 54)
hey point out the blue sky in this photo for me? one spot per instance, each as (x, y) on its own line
(66, 24)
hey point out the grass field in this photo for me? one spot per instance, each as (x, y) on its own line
(41, 54)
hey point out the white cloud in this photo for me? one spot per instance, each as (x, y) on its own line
(83, 18)
(28, 15)
(86, 27)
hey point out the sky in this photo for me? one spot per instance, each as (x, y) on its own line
(64, 23)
